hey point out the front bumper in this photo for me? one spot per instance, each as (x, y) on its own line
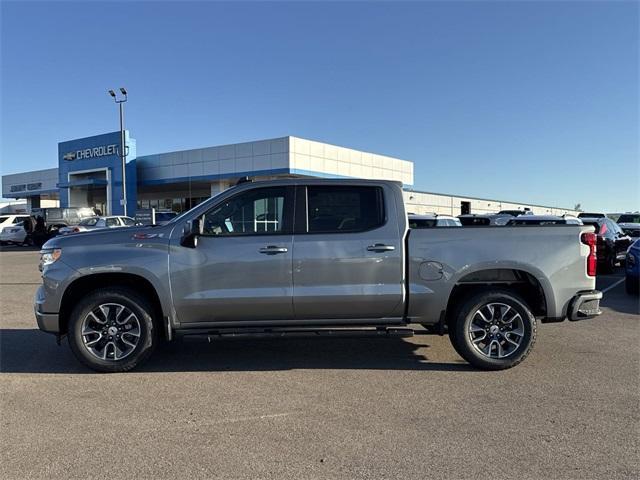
(585, 305)
(47, 322)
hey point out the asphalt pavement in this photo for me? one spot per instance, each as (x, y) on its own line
(302, 408)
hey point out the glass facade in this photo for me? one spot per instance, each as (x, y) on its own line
(177, 205)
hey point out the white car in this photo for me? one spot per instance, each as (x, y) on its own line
(96, 223)
(14, 234)
(9, 220)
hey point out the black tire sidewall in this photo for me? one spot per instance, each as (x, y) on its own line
(464, 315)
(124, 297)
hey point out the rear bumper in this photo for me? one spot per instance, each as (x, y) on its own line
(585, 305)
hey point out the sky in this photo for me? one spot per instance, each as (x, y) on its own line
(534, 102)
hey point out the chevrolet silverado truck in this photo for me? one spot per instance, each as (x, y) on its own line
(312, 255)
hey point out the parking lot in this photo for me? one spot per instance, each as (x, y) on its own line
(321, 408)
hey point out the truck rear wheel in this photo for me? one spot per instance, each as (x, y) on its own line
(493, 330)
(111, 330)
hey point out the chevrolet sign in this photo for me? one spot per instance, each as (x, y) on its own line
(92, 152)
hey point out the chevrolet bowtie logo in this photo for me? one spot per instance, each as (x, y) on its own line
(70, 156)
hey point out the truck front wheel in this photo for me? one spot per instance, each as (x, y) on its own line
(493, 330)
(111, 330)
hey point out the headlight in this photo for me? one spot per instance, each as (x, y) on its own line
(47, 257)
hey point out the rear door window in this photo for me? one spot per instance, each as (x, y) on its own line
(344, 209)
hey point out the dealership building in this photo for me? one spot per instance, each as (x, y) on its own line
(89, 174)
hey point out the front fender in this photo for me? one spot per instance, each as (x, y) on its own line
(143, 258)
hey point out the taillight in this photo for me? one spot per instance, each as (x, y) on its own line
(590, 239)
(76, 229)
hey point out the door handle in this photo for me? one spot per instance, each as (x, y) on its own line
(380, 247)
(273, 250)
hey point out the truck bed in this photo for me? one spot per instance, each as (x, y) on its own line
(441, 258)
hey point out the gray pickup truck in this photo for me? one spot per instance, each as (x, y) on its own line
(312, 255)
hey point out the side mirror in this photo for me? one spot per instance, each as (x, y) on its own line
(190, 233)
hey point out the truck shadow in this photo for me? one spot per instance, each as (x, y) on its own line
(31, 351)
(620, 301)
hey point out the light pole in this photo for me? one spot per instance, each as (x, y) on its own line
(123, 152)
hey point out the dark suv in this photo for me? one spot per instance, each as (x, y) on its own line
(612, 242)
(630, 224)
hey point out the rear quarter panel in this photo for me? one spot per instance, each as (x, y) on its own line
(553, 254)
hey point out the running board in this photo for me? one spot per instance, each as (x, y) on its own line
(211, 335)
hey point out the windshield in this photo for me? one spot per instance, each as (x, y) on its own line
(89, 222)
(629, 218)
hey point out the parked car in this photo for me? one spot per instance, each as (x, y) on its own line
(229, 265)
(480, 220)
(433, 220)
(612, 242)
(12, 230)
(56, 218)
(544, 220)
(15, 235)
(94, 223)
(632, 269)
(9, 220)
(516, 213)
(591, 215)
(630, 224)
